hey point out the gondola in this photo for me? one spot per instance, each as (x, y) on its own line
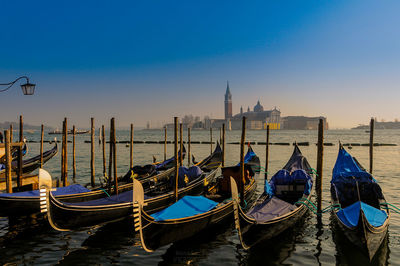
(25, 203)
(77, 132)
(30, 164)
(64, 216)
(192, 214)
(14, 153)
(278, 207)
(362, 214)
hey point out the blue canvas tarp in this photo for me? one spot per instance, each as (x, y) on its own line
(186, 175)
(346, 167)
(351, 214)
(185, 207)
(249, 156)
(72, 189)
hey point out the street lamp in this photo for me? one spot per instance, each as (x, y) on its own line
(27, 88)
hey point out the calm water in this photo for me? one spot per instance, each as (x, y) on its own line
(31, 241)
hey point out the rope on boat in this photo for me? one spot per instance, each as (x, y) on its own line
(386, 204)
(314, 171)
(331, 208)
(311, 206)
(102, 189)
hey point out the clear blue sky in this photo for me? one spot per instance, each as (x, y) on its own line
(152, 60)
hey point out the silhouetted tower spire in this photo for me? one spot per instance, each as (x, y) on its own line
(228, 102)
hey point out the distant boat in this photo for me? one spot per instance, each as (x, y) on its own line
(59, 132)
(367, 131)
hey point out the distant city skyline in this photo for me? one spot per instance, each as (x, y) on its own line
(153, 60)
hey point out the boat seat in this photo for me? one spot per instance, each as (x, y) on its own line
(370, 193)
(290, 193)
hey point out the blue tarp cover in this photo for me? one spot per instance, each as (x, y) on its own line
(249, 156)
(185, 207)
(283, 177)
(346, 167)
(351, 214)
(72, 189)
(186, 175)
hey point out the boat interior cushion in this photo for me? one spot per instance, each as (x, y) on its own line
(290, 186)
(148, 169)
(370, 192)
(270, 209)
(187, 175)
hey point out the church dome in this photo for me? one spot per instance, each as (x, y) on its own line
(258, 107)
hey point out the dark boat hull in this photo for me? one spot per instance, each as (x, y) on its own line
(20, 206)
(31, 164)
(253, 233)
(366, 237)
(68, 217)
(158, 234)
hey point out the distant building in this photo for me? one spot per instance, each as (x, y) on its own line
(256, 119)
(381, 125)
(228, 102)
(303, 122)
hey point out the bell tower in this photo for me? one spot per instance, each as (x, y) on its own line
(228, 102)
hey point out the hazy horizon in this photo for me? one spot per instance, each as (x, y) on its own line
(153, 60)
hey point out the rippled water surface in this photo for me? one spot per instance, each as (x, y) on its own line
(29, 240)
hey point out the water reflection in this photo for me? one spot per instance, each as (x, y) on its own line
(319, 233)
(200, 248)
(274, 251)
(348, 254)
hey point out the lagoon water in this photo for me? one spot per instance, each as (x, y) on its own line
(29, 240)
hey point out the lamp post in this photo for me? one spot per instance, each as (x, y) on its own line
(27, 88)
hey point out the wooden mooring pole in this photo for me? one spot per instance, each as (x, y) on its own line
(223, 145)
(73, 154)
(115, 156)
(242, 142)
(211, 149)
(180, 144)
(65, 180)
(62, 152)
(131, 149)
(371, 145)
(320, 157)
(11, 133)
(189, 146)
(165, 143)
(110, 158)
(103, 143)
(21, 139)
(266, 155)
(8, 161)
(92, 159)
(176, 157)
(41, 145)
